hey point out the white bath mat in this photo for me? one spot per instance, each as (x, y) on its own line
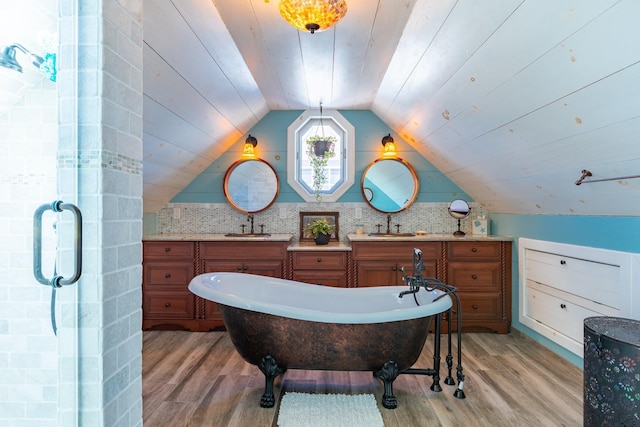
(329, 410)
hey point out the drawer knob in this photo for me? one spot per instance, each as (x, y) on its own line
(563, 305)
(167, 304)
(239, 269)
(393, 269)
(245, 268)
(474, 306)
(168, 275)
(563, 262)
(319, 259)
(474, 276)
(474, 249)
(167, 249)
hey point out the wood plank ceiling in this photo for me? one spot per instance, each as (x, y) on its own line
(511, 99)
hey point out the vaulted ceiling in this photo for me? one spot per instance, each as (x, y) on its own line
(511, 99)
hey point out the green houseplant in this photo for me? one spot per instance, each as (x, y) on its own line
(320, 149)
(320, 229)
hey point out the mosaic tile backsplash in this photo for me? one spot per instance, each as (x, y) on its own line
(220, 218)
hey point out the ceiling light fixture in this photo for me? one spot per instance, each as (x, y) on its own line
(313, 15)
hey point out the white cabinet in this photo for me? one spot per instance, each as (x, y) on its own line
(561, 285)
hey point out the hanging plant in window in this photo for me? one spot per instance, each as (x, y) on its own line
(320, 149)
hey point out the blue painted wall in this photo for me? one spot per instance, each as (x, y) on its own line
(606, 232)
(271, 133)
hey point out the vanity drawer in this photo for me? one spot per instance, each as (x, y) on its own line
(320, 260)
(394, 250)
(591, 280)
(473, 250)
(244, 251)
(562, 311)
(475, 276)
(480, 306)
(168, 250)
(168, 305)
(168, 273)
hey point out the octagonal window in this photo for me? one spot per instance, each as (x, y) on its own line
(316, 174)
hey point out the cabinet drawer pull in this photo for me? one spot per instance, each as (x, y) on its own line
(168, 275)
(167, 304)
(239, 269)
(245, 268)
(474, 276)
(474, 306)
(563, 262)
(167, 249)
(393, 269)
(474, 249)
(563, 305)
(319, 259)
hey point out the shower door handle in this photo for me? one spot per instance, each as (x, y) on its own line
(56, 281)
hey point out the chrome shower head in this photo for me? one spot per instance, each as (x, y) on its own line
(8, 58)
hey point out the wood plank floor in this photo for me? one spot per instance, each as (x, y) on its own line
(197, 379)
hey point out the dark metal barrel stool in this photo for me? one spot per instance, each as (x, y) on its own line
(611, 372)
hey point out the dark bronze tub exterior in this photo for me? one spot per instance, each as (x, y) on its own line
(302, 344)
(275, 344)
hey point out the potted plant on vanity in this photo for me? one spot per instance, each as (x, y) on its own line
(320, 229)
(320, 149)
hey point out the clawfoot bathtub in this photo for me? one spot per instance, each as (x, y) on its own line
(279, 324)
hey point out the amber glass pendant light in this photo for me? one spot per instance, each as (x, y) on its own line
(313, 15)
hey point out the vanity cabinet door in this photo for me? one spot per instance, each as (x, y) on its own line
(264, 258)
(380, 263)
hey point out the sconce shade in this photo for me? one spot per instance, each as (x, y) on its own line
(313, 15)
(248, 152)
(389, 146)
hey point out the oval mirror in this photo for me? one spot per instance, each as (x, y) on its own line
(459, 209)
(389, 185)
(251, 185)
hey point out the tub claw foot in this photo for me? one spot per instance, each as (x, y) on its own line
(388, 374)
(269, 367)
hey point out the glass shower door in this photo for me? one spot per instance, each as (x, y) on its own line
(38, 152)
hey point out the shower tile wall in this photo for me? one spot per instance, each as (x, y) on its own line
(222, 218)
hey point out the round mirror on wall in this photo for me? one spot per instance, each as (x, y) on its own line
(251, 185)
(389, 185)
(459, 209)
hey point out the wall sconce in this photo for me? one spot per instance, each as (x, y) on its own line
(46, 65)
(249, 152)
(389, 147)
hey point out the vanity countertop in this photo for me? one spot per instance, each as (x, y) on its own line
(284, 237)
(428, 237)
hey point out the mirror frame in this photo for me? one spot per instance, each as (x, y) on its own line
(368, 195)
(227, 177)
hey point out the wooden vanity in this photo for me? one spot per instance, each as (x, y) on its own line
(480, 267)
